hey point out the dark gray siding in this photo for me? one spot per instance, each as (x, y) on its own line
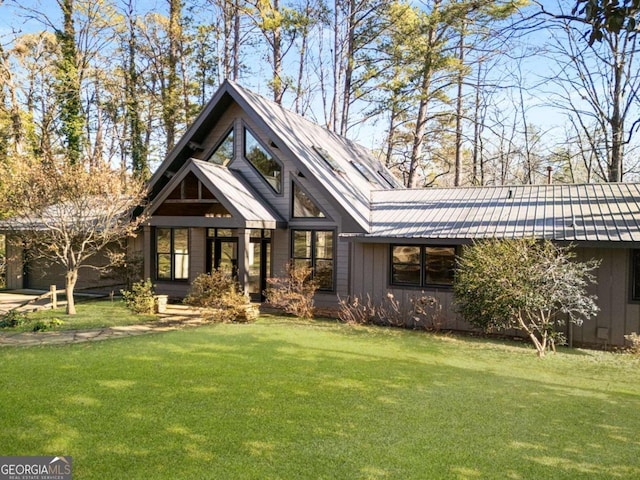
(618, 316)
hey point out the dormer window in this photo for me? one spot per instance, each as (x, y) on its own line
(329, 160)
(262, 161)
(223, 154)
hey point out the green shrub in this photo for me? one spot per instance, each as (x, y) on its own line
(533, 286)
(294, 292)
(12, 319)
(221, 298)
(44, 325)
(141, 298)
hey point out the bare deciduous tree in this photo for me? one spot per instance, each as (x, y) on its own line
(599, 85)
(67, 214)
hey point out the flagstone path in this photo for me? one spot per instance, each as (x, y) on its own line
(176, 317)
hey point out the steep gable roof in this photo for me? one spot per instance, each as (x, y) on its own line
(577, 213)
(247, 208)
(324, 158)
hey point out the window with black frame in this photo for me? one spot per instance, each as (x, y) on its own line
(315, 249)
(422, 265)
(262, 161)
(635, 275)
(223, 154)
(303, 204)
(172, 253)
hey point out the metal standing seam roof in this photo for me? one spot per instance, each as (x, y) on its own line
(300, 135)
(234, 190)
(594, 212)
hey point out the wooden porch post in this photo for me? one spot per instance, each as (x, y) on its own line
(244, 242)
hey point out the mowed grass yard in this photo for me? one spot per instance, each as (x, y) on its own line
(90, 314)
(289, 399)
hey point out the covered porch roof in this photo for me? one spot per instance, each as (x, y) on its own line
(245, 207)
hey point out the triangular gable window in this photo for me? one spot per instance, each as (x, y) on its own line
(303, 205)
(223, 154)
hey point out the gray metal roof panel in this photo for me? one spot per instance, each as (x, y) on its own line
(348, 187)
(593, 212)
(234, 190)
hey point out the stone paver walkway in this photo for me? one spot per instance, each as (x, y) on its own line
(176, 317)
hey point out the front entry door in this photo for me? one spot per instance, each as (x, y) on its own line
(259, 267)
(222, 254)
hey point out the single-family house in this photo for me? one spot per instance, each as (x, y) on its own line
(252, 186)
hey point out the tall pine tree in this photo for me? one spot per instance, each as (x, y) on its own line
(68, 87)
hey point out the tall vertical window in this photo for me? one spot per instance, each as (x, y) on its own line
(172, 253)
(422, 265)
(315, 249)
(223, 154)
(635, 275)
(263, 161)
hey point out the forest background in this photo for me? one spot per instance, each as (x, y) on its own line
(445, 92)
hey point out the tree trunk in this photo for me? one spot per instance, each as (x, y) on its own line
(139, 163)
(617, 126)
(303, 56)
(227, 40)
(337, 67)
(460, 80)
(70, 283)
(171, 97)
(425, 93)
(476, 134)
(349, 67)
(277, 59)
(420, 129)
(236, 41)
(540, 346)
(17, 129)
(71, 119)
(391, 136)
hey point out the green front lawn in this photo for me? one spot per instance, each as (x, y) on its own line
(287, 399)
(90, 314)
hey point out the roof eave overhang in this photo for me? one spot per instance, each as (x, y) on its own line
(406, 240)
(212, 222)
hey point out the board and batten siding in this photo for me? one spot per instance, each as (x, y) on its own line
(370, 277)
(15, 265)
(618, 315)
